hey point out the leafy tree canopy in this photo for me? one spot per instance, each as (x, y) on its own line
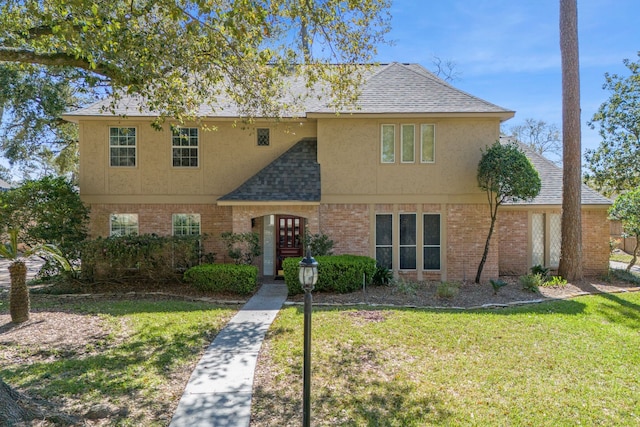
(180, 54)
(505, 174)
(48, 210)
(614, 166)
(626, 209)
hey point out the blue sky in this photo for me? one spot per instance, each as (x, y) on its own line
(508, 51)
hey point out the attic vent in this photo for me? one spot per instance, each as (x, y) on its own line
(263, 137)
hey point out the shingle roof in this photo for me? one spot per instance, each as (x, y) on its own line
(4, 185)
(294, 176)
(551, 178)
(387, 88)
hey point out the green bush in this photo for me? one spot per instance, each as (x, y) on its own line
(531, 282)
(144, 257)
(237, 278)
(404, 286)
(382, 276)
(447, 289)
(555, 281)
(336, 273)
(538, 269)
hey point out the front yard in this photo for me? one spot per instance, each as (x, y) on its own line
(574, 362)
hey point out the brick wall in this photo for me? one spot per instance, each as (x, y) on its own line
(595, 242)
(348, 226)
(467, 229)
(513, 229)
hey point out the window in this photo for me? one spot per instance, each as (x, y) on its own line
(388, 144)
(263, 137)
(122, 146)
(431, 241)
(184, 143)
(408, 138)
(186, 224)
(124, 224)
(546, 235)
(407, 241)
(427, 143)
(384, 240)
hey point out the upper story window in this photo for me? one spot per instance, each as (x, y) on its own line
(123, 224)
(122, 146)
(427, 143)
(184, 142)
(408, 141)
(409, 147)
(262, 135)
(186, 224)
(388, 144)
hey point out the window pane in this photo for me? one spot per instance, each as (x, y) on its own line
(124, 224)
(431, 258)
(431, 229)
(407, 229)
(383, 230)
(388, 143)
(185, 147)
(428, 143)
(408, 258)
(263, 137)
(384, 257)
(537, 239)
(408, 143)
(186, 224)
(122, 142)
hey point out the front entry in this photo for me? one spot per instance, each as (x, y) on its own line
(289, 239)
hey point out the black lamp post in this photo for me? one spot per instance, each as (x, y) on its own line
(308, 276)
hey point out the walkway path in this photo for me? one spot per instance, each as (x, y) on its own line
(218, 393)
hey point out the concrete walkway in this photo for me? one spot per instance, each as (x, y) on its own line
(218, 393)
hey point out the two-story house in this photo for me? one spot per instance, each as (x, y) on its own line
(393, 178)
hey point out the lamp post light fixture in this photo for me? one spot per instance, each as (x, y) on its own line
(308, 276)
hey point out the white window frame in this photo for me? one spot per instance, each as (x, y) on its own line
(403, 246)
(189, 217)
(382, 134)
(129, 221)
(176, 135)
(402, 142)
(425, 245)
(422, 126)
(120, 146)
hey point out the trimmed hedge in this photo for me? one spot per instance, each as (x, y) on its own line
(240, 279)
(336, 273)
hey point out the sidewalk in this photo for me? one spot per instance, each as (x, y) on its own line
(218, 393)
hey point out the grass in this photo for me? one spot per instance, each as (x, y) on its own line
(623, 257)
(559, 363)
(151, 342)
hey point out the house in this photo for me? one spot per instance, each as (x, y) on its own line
(393, 178)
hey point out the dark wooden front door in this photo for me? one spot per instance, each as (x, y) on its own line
(289, 232)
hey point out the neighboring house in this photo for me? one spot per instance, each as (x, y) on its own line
(4, 185)
(393, 178)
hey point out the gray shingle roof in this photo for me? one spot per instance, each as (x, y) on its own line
(4, 185)
(387, 88)
(294, 176)
(551, 178)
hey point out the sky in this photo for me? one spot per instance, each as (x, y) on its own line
(508, 51)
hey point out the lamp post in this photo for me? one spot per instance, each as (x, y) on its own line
(308, 276)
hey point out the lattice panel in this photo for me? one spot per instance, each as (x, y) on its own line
(537, 238)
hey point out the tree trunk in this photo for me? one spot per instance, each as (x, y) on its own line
(494, 215)
(19, 304)
(635, 254)
(571, 244)
(11, 412)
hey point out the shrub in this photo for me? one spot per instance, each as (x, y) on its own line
(240, 279)
(447, 289)
(382, 276)
(555, 281)
(339, 273)
(147, 256)
(497, 284)
(242, 248)
(538, 269)
(406, 287)
(531, 282)
(320, 244)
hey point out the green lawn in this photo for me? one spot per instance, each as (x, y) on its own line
(563, 363)
(141, 365)
(623, 257)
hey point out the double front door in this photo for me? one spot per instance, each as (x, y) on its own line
(289, 239)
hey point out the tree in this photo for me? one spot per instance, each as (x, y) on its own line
(48, 210)
(505, 174)
(614, 167)
(570, 266)
(542, 137)
(626, 209)
(179, 55)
